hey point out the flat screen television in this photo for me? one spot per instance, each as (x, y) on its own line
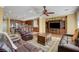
(55, 25)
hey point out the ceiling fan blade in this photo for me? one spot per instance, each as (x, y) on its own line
(50, 12)
(44, 7)
(46, 14)
(45, 11)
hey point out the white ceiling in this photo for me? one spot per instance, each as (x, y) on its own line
(30, 12)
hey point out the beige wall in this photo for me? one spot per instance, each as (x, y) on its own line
(71, 23)
(78, 19)
(8, 24)
(42, 25)
(35, 23)
(1, 18)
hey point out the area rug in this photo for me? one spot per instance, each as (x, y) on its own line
(51, 46)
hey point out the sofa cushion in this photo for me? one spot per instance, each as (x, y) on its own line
(71, 46)
(22, 49)
(4, 43)
(6, 48)
(32, 48)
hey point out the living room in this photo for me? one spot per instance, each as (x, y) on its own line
(39, 28)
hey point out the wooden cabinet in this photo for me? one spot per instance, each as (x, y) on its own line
(35, 29)
(29, 22)
(60, 30)
(41, 40)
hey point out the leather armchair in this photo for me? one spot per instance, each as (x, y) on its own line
(25, 35)
(66, 44)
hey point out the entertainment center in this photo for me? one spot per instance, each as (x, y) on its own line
(56, 26)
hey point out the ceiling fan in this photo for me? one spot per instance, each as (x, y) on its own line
(45, 11)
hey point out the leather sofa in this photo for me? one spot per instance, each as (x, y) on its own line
(6, 44)
(25, 35)
(69, 43)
